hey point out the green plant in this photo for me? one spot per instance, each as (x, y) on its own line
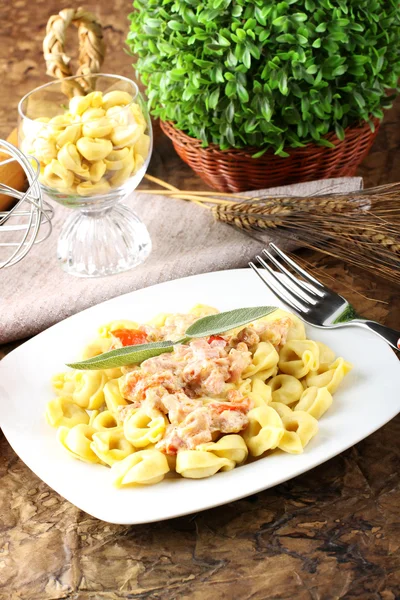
(264, 73)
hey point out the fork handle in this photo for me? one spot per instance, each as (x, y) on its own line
(391, 336)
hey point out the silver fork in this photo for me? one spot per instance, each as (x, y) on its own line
(312, 301)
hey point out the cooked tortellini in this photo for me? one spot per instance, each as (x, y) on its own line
(142, 429)
(299, 428)
(258, 391)
(299, 357)
(231, 447)
(145, 467)
(285, 388)
(329, 376)
(197, 464)
(85, 387)
(315, 401)
(204, 407)
(264, 431)
(264, 363)
(77, 441)
(111, 446)
(96, 145)
(113, 397)
(104, 421)
(62, 411)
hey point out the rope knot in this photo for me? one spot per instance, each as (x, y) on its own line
(91, 48)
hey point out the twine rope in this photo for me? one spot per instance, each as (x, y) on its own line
(91, 48)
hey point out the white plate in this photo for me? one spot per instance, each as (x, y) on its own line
(368, 398)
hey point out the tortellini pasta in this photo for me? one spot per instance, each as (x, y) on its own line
(264, 431)
(96, 145)
(141, 429)
(157, 321)
(329, 376)
(258, 391)
(111, 446)
(85, 387)
(273, 405)
(98, 346)
(145, 467)
(264, 364)
(299, 428)
(202, 310)
(315, 401)
(326, 355)
(113, 397)
(94, 149)
(299, 357)
(105, 421)
(87, 188)
(62, 411)
(231, 447)
(77, 441)
(197, 464)
(57, 176)
(286, 389)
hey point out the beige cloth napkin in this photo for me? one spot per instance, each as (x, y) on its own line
(36, 293)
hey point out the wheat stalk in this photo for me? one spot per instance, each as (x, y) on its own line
(361, 228)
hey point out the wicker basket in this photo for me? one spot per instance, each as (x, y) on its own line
(235, 170)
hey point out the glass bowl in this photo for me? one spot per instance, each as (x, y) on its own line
(93, 150)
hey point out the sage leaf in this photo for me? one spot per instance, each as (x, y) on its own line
(225, 321)
(129, 355)
(210, 325)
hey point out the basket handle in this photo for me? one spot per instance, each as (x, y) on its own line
(91, 49)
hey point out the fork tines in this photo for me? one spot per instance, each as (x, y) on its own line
(300, 294)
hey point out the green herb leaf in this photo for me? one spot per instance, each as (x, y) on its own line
(176, 26)
(225, 321)
(213, 100)
(210, 325)
(339, 131)
(120, 357)
(243, 94)
(259, 154)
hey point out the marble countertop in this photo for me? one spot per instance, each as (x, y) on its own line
(331, 533)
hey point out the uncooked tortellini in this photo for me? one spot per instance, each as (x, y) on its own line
(95, 146)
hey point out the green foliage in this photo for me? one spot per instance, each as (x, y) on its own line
(266, 73)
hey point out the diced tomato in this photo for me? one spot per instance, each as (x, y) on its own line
(219, 407)
(171, 449)
(212, 338)
(130, 337)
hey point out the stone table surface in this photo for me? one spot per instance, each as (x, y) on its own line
(331, 533)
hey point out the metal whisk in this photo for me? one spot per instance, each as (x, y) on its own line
(20, 226)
